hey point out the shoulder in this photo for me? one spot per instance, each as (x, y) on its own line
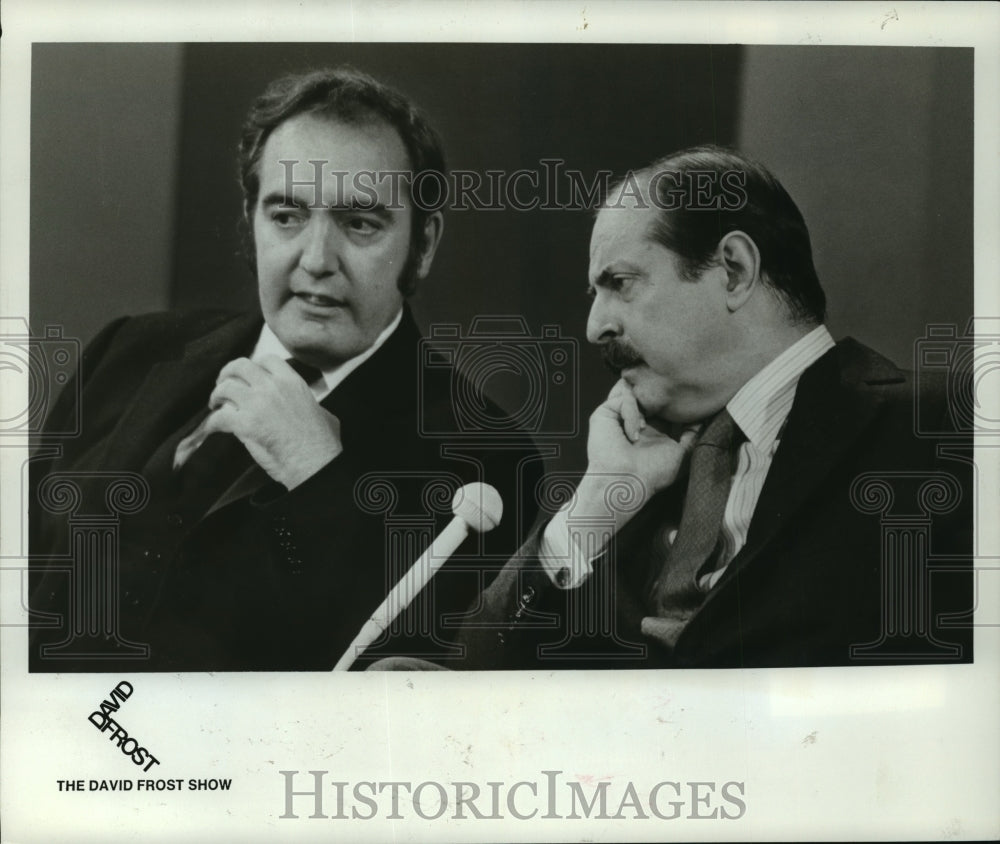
(861, 366)
(928, 388)
(852, 369)
(131, 345)
(164, 335)
(925, 403)
(173, 328)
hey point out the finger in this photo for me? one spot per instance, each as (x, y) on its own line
(231, 391)
(687, 438)
(618, 391)
(292, 384)
(242, 369)
(632, 418)
(222, 420)
(622, 400)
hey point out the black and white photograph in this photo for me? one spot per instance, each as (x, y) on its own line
(568, 426)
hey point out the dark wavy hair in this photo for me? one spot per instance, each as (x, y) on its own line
(735, 193)
(347, 95)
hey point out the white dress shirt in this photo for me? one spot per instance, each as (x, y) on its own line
(760, 409)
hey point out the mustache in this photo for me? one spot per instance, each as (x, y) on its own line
(619, 355)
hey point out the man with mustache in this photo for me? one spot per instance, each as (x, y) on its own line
(259, 547)
(723, 518)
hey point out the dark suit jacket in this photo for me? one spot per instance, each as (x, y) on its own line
(267, 579)
(824, 570)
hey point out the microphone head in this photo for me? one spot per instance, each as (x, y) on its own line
(479, 506)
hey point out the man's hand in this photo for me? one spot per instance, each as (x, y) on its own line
(621, 441)
(622, 445)
(273, 412)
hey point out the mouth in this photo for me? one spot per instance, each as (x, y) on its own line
(318, 300)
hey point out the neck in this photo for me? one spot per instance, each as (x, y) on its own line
(761, 346)
(775, 340)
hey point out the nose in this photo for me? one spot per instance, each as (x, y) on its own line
(602, 324)
(320, 256)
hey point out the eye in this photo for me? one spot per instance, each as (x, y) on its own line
(362, 226)
(624, 286)
(286, 219)
(619, 283)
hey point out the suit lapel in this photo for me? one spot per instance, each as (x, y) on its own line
(833, 406)
(176, 388)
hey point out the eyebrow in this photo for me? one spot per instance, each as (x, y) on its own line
(282, 200)
(606, 276)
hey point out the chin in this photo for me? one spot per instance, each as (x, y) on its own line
(325, 356)
(669, 411)
(318, 349)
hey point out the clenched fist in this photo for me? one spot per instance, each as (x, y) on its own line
(274, 414)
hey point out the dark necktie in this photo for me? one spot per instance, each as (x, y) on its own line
(675, 595)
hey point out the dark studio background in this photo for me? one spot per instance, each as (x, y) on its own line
(135, 203)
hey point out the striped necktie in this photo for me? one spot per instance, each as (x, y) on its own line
(675, 595)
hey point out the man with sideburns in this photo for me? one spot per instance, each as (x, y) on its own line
(255, 433)
(729, 511)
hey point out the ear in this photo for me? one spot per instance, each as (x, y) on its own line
(433, 229)
(739, 257)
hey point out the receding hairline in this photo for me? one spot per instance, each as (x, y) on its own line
(642, 179)
(369, 120)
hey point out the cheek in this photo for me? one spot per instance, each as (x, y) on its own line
(272, 283)
(267, 278)
(275, 257)
(694, 327)
(377, 272)
(387, 297)
(672, 347)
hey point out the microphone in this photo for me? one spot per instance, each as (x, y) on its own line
(477, 506)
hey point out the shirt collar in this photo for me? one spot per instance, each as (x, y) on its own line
(269, 344)
(761, 406)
